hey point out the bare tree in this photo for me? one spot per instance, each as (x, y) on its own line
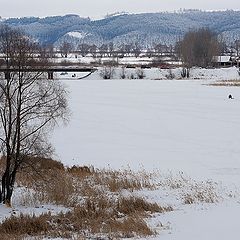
(121, 50)
(198, 47)
(160, 49)
(29, 106)
(65, 48)
(136, 49)
(110, 49)
(93, 50)
(103, 49)
(128, 48)
(84, 49)
(49, 49)
(123, 73)
(107, 72)
(237, 46)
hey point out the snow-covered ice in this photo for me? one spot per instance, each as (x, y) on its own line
(215, 222)
(181, 127)
(169, 125)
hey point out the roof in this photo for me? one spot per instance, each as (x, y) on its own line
(221, 59)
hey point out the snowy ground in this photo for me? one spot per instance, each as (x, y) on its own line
(216, 222)
(178, 126)
(168, 125)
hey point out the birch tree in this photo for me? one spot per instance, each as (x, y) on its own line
(30, 106)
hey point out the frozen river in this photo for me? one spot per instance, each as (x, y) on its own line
(166, 125)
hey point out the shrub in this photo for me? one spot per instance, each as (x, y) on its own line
(123, 73)
(99, 215)
(107, 72)
(140, 73)
(26, 224)
(170, 74)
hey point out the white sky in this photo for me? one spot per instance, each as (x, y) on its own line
(99, 8)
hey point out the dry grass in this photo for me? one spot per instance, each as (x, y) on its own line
(113, 180)
(174, 181)
(201, 193)
(103, 215)
(228, 83)
(116, 181)
(48, 181)
(134, 205)
(115, 219)
(93, 197)
(96, 200)
(189, 190)
(25, 224)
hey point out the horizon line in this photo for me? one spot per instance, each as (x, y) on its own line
(178, 11)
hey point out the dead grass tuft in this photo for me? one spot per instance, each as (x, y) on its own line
(189, 190)
(134, 204)
(93, 196)
(81, 171)
(25, 225)
(201, 193)
(226, 83)
(116, 181)
(114, 219)
(128, 227)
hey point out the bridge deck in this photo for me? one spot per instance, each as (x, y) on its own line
(49, 69)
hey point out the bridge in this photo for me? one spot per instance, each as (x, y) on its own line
(49, 70)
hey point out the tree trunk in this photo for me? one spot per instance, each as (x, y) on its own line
(9, 192)
(8, 180)
(4, 186)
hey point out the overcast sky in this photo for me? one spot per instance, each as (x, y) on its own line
(99, 8)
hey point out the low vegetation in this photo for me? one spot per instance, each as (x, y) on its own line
(224, 83)
(101, 204)
(190, 191)
(96, 202)
(99, 216)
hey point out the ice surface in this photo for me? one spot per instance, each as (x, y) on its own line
(170, 125)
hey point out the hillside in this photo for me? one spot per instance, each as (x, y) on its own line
(146, 28)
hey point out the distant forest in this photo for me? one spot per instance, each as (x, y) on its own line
(146, 29)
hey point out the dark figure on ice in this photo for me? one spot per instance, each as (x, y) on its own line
(230, 96)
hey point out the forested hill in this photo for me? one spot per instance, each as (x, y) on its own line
(144, 28)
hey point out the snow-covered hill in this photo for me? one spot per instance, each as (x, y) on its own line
(145, 28)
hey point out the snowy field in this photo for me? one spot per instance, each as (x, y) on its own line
(185, 130)
(169, 125)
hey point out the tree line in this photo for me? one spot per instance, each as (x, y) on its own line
(196, 48)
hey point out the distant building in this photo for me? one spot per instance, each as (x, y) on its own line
(223, 61)
(226, 61)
